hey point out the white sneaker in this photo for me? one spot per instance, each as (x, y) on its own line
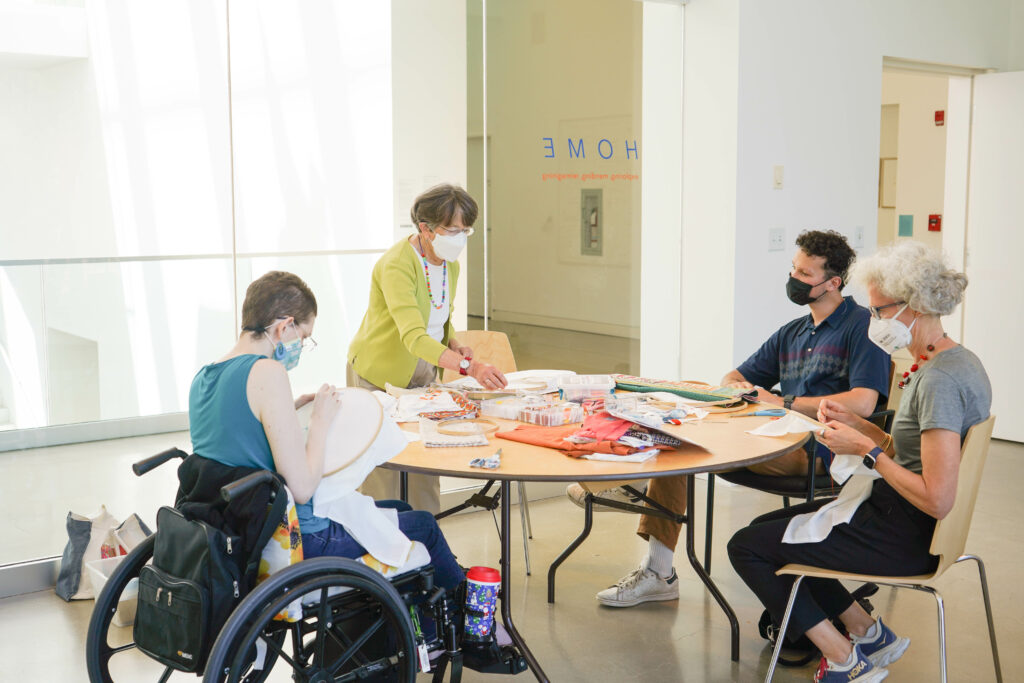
(577, 493)
(640, 585)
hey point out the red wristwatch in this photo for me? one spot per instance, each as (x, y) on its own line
(464, 366)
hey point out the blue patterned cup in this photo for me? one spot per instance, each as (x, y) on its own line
(482, 584)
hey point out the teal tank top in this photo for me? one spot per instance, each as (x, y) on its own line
(224, 429)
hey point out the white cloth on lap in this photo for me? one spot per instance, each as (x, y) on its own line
(813, 527)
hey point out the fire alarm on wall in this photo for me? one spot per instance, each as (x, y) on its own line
(935, 222)
(940, 118)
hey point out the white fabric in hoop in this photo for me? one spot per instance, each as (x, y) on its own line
(359, 439)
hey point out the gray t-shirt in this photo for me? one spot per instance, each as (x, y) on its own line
(950, 391)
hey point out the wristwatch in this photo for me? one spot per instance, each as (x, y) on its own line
(787, 401)
(871, 457)
(464, 366)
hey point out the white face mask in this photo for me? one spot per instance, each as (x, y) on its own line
(449, 247)
(890, 334)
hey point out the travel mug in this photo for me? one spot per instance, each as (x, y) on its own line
(482, 584)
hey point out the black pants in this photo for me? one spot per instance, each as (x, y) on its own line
(887, 536)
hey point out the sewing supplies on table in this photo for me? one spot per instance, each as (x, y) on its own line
(774, 412)
(489, 463)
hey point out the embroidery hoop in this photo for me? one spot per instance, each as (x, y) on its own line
(353, 430)
(445, 427)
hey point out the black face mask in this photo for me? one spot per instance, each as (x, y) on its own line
(800, 292)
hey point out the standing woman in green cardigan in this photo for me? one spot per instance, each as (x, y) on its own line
(407, 333)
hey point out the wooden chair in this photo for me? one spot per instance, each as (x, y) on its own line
(494, 348)
(948, 543)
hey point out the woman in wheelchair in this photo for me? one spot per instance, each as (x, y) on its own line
(241, 413)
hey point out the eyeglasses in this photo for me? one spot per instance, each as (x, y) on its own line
(454, 232)
(876, 311)
(308, 344)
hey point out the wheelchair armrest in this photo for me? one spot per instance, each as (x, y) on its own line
(235, 488)
(154, 461)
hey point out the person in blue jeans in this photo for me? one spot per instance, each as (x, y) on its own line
(242, 414)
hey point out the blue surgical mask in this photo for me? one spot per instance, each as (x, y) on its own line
(288, 352)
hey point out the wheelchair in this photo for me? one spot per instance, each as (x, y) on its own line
(355, 625)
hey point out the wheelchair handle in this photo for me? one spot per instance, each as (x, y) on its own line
(235, 488)
(154, 461)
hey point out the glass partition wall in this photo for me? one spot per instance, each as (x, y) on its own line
(554, 149)
(145, 181)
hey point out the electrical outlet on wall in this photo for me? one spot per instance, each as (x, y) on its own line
(858, 237)
(776, 239)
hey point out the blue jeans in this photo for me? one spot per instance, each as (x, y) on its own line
(418, 525)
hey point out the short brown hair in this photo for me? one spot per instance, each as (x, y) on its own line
(438, 206)
(831, 246)
(275, 295)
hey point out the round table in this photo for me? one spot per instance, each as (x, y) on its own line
(720, 442)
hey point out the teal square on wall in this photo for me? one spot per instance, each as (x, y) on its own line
(906, 226)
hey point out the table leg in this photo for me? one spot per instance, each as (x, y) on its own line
(403, 486)
(588, 522)
(506, 567)
(733, 622)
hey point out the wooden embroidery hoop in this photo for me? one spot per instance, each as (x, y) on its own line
(353, 430)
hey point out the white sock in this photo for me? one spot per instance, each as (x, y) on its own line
(659, 558)
(870, 635)
(843, 666)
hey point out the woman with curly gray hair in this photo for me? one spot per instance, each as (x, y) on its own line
(945, 392)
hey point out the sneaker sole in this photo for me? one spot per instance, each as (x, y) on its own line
(889, 654)
(657, 597)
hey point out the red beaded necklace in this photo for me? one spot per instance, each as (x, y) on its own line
(905, 382)
(426, 274)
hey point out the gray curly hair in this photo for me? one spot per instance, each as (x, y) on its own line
(909, 271)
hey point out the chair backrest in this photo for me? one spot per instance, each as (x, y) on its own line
(950, 535)
(488, 347)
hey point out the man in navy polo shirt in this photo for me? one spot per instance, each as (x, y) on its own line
(825, 354)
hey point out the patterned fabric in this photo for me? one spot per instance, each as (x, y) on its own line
(282, 550)
(692, 390)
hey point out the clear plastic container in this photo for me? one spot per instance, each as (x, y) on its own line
(552, 415)
(506, 408)
(579, 388)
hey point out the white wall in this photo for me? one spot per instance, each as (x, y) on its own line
(429, 108)
(809, 99)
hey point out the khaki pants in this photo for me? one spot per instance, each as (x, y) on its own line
(382, 484)
(671, 492)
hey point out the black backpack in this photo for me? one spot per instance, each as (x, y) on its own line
(189, 591)
(206, 557)
(804, 650)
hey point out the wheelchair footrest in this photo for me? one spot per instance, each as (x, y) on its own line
(490, 658)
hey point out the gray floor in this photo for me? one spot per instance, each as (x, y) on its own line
(43, 639)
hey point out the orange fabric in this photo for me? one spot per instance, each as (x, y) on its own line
(554, 437)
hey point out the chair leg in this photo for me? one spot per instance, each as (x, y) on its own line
(942, 628)
(785, 501)
(522, 519)
(988, 613)
(526, 504)
(709, 524)
(782, 629)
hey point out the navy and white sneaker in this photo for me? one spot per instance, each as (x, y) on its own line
(885, 648)
(861, 671)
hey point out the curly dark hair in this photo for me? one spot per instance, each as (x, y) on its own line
(831, 246)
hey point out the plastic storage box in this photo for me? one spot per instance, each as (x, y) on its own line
(579, 388)
(552, 415)
(99, 572)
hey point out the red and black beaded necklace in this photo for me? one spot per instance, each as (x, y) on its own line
(905, 382)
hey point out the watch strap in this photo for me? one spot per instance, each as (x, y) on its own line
(787, 401)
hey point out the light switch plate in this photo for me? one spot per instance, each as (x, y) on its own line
(776, 239)
(858, 237)
(777, 173)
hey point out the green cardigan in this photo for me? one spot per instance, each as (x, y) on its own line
(393, 335)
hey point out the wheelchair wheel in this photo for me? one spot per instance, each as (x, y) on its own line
(361, 634)
(110, 650)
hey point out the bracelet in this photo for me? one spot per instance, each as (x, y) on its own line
(886, 442)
